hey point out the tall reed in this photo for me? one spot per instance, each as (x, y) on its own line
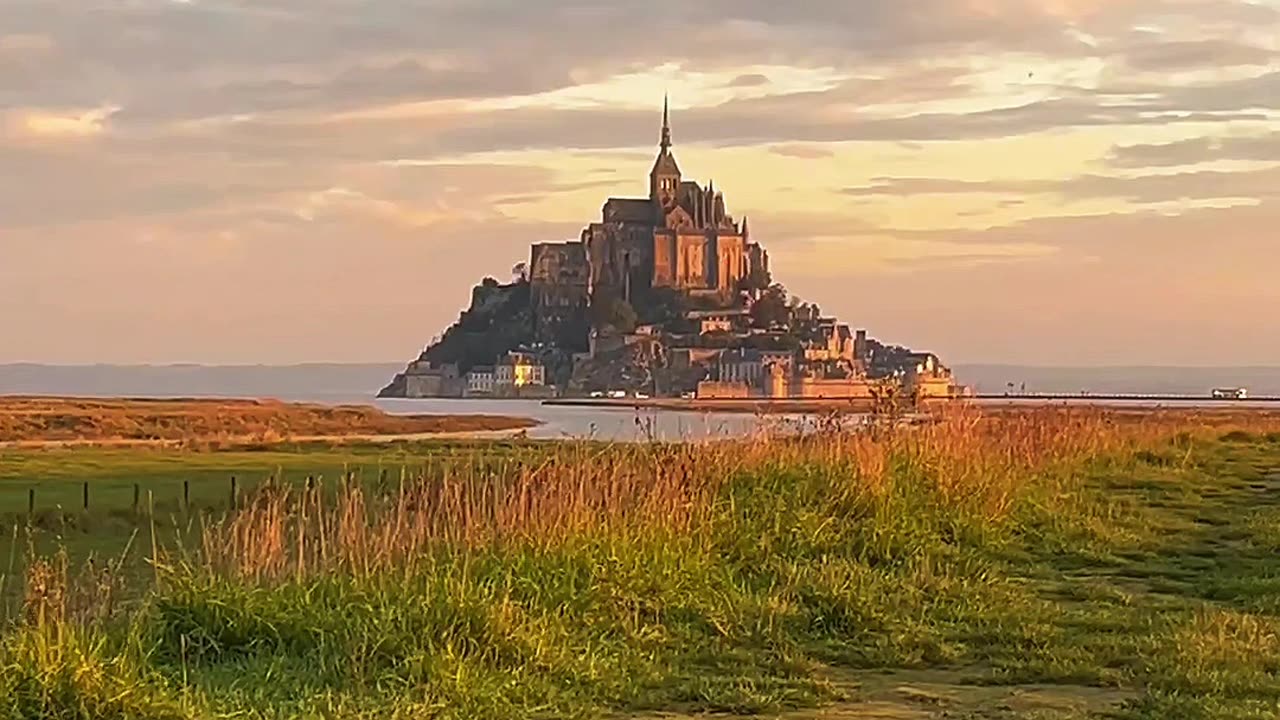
(963, 456)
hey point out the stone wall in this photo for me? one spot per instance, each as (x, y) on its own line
(432, 386)
(559, 275)
(819, 388)
(712, 390)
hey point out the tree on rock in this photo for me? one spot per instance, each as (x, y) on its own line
(772, 309)
(614, 312)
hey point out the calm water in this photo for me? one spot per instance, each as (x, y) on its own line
(622, 424)
(626, 424)
(618, 424)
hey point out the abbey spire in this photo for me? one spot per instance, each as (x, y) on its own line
(666, 123)
(664, 180)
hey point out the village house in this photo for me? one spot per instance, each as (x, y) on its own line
(719, 321)
(751, 366)
(481, 380)
(837, 343)
(518, 370)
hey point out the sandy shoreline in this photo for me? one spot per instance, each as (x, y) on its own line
(385, 439)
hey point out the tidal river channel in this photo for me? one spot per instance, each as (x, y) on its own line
(617, 424)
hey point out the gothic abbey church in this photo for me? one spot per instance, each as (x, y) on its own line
(680, 237)
(657, 297)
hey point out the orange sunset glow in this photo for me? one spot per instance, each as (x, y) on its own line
(278, 181)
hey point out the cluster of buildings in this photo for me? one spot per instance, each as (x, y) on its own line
(832, 363)
(517, 375)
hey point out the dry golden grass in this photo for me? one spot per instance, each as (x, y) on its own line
(31, 419)
(979, 459)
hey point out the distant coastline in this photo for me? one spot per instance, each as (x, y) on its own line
(333, 383)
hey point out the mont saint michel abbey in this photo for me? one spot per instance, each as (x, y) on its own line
(680, 236)
(666, 294)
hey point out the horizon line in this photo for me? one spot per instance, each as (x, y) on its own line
(326, 363)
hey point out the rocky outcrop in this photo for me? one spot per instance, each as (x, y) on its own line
(498, 320)
(397, 388)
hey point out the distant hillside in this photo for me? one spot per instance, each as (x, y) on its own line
(1101, 380)
(314, 382)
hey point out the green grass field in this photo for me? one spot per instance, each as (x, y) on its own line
(175, 488)
(58, 474)
(941, 579)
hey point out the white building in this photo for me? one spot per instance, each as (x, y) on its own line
(481, 380)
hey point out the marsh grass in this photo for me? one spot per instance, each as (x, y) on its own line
(1062, 546)
(213, 423)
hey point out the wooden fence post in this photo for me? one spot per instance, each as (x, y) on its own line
(186, 496)
(86, 496)
(235, 493)
(137, 493)
(31, 501)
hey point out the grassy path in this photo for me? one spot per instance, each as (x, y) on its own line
(1161, 595)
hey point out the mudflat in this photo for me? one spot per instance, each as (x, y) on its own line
(47, 420)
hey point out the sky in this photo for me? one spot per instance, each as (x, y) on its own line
(1054, 182)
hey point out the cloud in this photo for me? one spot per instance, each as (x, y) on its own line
(1202, 185)
(842, 256)
(353, 202)
(1257, 148)
(70, 124)
(30, 43)
(109, 187)
(941, 186)
(749, 80)
(806, 152)
(331, 50)
(1154, 244)
(420, 141)
(837, 115)
(298, 62)
(1158, 54)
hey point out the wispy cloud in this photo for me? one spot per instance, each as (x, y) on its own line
(65, 124)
